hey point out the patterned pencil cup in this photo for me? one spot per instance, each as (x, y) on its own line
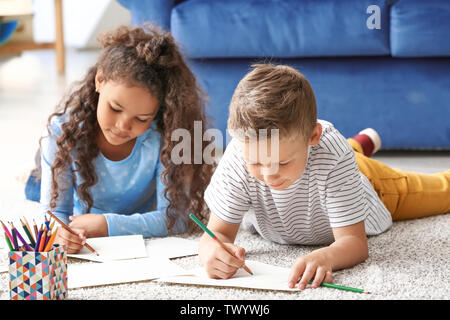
(38, 275)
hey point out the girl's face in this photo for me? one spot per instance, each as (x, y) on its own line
(124, 112)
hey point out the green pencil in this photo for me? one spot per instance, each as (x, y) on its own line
(336, 286)
(212, 235)
(8, 242)
(28, 233)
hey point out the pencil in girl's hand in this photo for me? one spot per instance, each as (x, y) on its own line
(63, 225)
(201, 225)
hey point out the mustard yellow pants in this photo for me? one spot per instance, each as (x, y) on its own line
(407, 195)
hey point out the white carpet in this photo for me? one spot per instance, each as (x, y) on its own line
(410, 261)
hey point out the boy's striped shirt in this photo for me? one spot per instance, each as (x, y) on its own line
(331, 192)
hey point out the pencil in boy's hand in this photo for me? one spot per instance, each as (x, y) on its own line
(201, 225)
(336, 286)
(71, 231)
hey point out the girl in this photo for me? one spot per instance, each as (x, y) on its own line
(105, 163)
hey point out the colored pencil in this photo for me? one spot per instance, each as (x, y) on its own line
(209, 232)
(14, 237)
(7, 231)
(50, 241)
(336, 286)
(27, 232)
(8, 242)
(35, 229)
(47, 223)
(71, 231)
(43, 238)
(49, 234)
(38, 240)
(25, 244)
(29, 229)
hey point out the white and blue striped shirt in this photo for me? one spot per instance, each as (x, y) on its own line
(330, 193)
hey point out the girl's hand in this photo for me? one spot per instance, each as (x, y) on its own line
(218, 263)
(94, 225)
(313, 266)
(73, 242)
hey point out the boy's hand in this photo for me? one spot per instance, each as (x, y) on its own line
(73, 242)
(219, 264)
(94, 225)
(313, 266)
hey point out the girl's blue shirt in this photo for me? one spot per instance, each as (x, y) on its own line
(129, 192)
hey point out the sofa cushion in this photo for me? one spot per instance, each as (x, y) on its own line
(156, 12)
(420, 28)
(280, 28)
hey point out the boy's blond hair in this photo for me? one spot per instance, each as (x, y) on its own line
(273, 97)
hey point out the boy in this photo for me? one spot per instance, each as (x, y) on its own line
(315, 188)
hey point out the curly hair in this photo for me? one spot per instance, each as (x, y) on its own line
(149, 58)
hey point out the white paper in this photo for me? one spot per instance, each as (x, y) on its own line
(171, 247)
(113, 248)
(123, 271)
(264, 276)
(4, 269)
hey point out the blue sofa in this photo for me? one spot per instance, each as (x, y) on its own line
(383, 64)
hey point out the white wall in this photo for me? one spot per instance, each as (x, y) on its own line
(83, 20)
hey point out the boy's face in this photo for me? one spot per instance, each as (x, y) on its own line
(124, 112)
(279, 167)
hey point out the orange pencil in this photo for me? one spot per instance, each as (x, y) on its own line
(43, 238)
(50, 241)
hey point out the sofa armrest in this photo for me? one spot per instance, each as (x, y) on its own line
(156, 12)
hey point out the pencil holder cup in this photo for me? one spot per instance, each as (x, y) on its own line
(38, 275)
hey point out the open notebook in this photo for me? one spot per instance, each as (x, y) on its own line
(133, 247)
(113, 248)
(120, 271)
(264, 276)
